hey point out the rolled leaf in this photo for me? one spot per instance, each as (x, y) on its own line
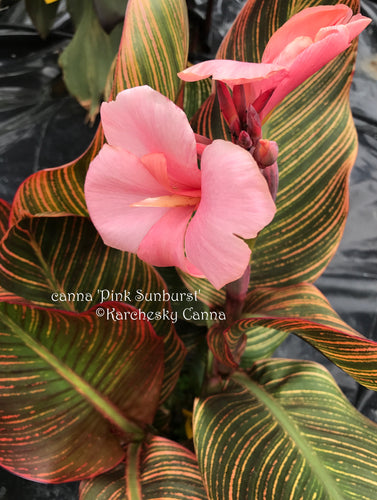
(74, 387)
(271, 314)
(286, 432)
(302, 301)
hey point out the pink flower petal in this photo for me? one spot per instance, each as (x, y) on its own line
(236, 203)
(115, 180)
(234, 72)
(305, 23)
(302, 62)
(164, 243)
(143, 121)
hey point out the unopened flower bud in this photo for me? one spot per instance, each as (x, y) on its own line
(254, 125)
(228, 109)
(271, 174)
(244, 140)
(266, 152)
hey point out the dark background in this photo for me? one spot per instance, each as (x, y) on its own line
(41, 126)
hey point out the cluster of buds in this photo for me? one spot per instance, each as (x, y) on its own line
(246, 129)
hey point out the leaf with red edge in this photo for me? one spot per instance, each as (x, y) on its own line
(74, 387)
(157, 469)
(61, 262)
(153, 49)
(270, 314)
(4, 223)
(303, 301)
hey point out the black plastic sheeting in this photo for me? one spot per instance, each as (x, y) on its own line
(41, 126)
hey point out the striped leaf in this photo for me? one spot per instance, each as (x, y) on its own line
(154, 46)
(194, 95)
(4, 216)
(271, 314)
(61, 262)
(317, 148)
(158, 469)
(152, 50)
(285, 433)
(73, 388)
(206, 292)
(302, 301)
(352, 352)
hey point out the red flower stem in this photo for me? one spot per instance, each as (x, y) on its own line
(235, 296)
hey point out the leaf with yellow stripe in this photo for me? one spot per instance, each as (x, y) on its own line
(152, 50)
(352, 352)
(270, 314)
(285, 432)
(61, 262)
(317, 147)
(302, 301)
(157, 469)
(74, 387)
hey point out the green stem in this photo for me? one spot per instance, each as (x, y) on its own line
(133, 472)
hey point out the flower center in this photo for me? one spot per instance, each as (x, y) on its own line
(174, 200)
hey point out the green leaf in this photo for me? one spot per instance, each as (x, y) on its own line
(160, 469)
(152, 50)
(285, 433)
(73, 385)
(61, 262)
(87, 59)
(317, 148)
(42, 15)
(110, 12)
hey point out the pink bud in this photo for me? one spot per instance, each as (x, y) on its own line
(254, 125)
(244, 140)
(228, 109)
(271, 174)
(266, 152)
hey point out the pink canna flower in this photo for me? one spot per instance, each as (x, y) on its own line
(303, 45)
(146, 194)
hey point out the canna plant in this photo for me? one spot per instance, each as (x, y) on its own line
(146, 285)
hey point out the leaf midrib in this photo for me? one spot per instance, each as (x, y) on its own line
(286, 423)
(104, 406)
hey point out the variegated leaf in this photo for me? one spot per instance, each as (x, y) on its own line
(285, 433)
(317, 148)
(152, 50)
(61, 262)
(302, 301)
(74, 387)
(158, 469)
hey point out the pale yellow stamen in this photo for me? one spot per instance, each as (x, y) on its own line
(174, 200)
